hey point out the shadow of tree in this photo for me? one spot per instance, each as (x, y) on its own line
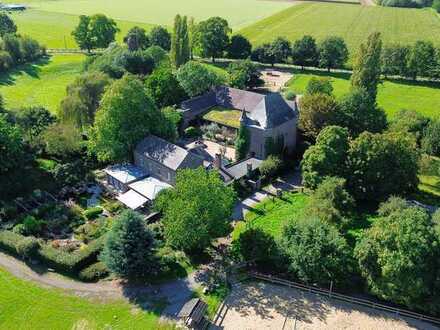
(31, 69)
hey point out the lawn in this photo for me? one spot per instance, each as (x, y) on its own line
(25, 305)
(55, 29)
(271, 215)
(392, 95)
(222, 116)
(238, 13)
(352, 22)
(43, 83)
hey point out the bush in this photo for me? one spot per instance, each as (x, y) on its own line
(270, 166)
(94, 272)
(192, 132)
(93, 213)
(255, 245)
(289, 95)
(28, 247)
(436, 5)
(9, 241)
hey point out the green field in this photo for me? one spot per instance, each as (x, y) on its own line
(392, 95)
(222, 116)
(55, 29)
(271, 215)
(24, 305)
(43, 83)
(352, 22)
(238, 13)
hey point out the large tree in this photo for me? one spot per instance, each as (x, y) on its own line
(11, 146)
(82, 100)
(315, 252)
(317, 112)
(410, 121)
(180, 47)
(333, 53)
(196, 210)
(33, 121)
(305, 52)
(242, 142)
(7, 25)
(213, 37)
(366, 69)
(395, 60)
(359, 112)
(239, 47)
(196, 78)
(96, 31)
(422, 59)
(431, 138)
(163, 87)
(399, 258)
(126, 115)
(281, 50)
(381, 165)
(159, 36)
(244, 74)
(129, 247)
(137, 38)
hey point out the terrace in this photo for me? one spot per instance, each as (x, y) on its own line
(224, 116)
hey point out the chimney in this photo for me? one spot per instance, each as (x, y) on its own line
(249, 168)
(217, 161)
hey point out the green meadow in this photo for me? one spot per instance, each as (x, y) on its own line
(25, 305)
(350, 21)
(393, 95)
(43, 83)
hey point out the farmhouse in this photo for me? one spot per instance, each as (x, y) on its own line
(270, 119)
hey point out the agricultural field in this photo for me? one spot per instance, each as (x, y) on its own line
(393, 95)
(28, 306)
(352, 22)
(54, 30)
(43, 83)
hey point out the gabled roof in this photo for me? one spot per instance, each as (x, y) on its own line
(166, 153)
(272, 111)
(233, 98)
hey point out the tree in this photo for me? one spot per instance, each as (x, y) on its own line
(196, 210)
(270, 166)
(331, 202)
(281, 50)
(137, 38)
(213, 37)
(333, 53)
(244, 75)
(317, 112)
(255, 245)
(163, 87)
(137, 62)
(422, 59)
(196, 78)
(11, 146)
(242, 142)
(394, 60)
(319, 86)
(7, 25)
(305, 52)
(62, 140)
(125, 115)
(263, 54)
(431, 138)
(436, 5)
(11, 45)
(180, 48)
(129, 247)
(398, 256)
(96, 31)
(33, 121)
(359, 112)
(239, 47)
(366, 69)
(327, 157)
(410, 121)
(381, 165)
(159, 36)
(30, 49)
(83, 96)
(315, 252)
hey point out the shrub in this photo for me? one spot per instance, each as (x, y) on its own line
(32, 226)
(93, 213)
(28, 247)
(290, 95)
(436, 5)
(192, 132)
(255, 245)
(9, 241)
(270, 166)
(94, 272)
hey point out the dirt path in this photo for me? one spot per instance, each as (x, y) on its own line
(175, 293)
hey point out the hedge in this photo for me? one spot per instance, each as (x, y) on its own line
(94, 272)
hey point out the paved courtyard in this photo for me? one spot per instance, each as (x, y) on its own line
(259, 305)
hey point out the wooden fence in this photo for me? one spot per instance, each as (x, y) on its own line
(72, 51)
(349, 299)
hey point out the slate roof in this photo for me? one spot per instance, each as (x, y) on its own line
(167, 153)
(272, 111)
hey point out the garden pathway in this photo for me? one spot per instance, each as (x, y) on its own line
(286, 183)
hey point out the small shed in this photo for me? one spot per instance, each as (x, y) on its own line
(193, 314)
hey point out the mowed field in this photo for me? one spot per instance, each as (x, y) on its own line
(43, 83)
(24, 305)
(392, 95)
(352, 22)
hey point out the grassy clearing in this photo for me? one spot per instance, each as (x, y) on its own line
(271, 215)
(54, 29)
(429, 176)
(352, 22)
(392, 95)
(239, 13)
(222, 116)
(28, 306)
(43, 83)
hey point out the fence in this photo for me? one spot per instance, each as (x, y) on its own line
(72, 51)
(353, 300)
